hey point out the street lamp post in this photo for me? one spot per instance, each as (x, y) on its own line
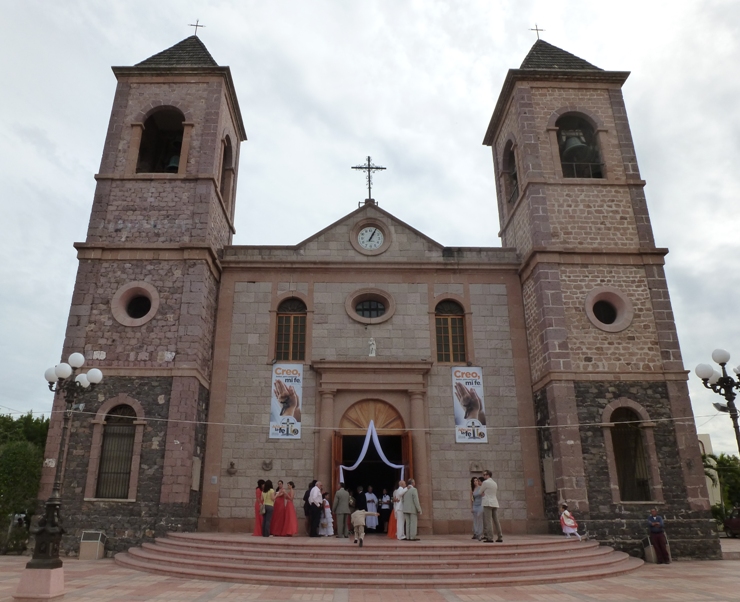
(64, 379)
(723, 384)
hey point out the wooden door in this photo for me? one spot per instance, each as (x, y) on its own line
(408, 456)
(336, 460)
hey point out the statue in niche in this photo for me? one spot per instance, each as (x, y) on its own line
(373, 347)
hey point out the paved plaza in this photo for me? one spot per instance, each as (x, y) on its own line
(103, 580)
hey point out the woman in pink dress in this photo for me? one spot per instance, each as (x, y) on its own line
(278, 515)
(257, 503)
(290, 526)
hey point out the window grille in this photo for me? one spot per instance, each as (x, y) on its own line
(114, 472)
(291, 330)
(370, 308)
(629, 454)
(450, 330)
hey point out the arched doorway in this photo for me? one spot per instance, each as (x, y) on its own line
(394, 439)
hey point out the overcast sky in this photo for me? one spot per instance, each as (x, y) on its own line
(324, 84)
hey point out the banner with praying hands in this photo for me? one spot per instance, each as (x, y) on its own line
(469, 407)
(285, 404)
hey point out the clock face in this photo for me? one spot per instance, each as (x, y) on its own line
(370, 238)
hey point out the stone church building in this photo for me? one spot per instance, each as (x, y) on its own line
(553, 360)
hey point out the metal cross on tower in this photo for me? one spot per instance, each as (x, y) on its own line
(370, 168)
(537, 29)
(196, 25)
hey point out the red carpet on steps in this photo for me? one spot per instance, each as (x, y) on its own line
(435, 562)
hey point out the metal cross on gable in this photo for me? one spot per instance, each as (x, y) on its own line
(537, 29)
(196, 25)
(369, 168)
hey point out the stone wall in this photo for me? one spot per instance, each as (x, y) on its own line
(691, 533)
(128, 523)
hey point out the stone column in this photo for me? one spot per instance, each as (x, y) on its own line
(325, 424)
(421, 459)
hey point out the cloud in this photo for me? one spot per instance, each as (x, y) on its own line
(322, 85)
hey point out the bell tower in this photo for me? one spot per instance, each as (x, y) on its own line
(609, 386)
(144, 301)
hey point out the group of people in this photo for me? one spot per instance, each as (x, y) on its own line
(274, 510)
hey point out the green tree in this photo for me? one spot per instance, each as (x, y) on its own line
(20, 476)
(24, 428)
(727, 468)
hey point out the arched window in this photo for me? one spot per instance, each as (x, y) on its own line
(114, 470)
(629, 456)
(291, 330)
(161, 141)
(227, 171)
(511, 177)
(449, 320)
(579, 148)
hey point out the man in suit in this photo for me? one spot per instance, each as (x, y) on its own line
(489, 488)
(411, 509)
(341, 510)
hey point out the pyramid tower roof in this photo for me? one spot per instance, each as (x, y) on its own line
(548, 63)
(546, 56)
(191, 52)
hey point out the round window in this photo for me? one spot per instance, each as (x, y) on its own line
(135, 303)
(609, 309)
(370, 306)
(138, 307)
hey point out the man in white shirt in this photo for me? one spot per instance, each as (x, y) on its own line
(398, 508)
(489, 488)
(316, 503)
(371, 521)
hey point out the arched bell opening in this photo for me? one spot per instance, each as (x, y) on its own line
(161, 142)
(580, 156)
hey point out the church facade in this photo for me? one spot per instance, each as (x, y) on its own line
(552, 361)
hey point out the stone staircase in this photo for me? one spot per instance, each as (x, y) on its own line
(436, 562)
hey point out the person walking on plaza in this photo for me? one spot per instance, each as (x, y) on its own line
(341, 510)
(489, 488)
(568, 523)
(398, 509)
(316, 505)
(657, 537)
(411, 510)
(476, 498)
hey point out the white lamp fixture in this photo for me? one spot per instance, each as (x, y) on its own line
(63, 370)
(720, 356)
(724, 385)
(76, 360)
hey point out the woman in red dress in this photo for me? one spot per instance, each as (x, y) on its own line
(257, 503)
(278, 515)
(290, 526)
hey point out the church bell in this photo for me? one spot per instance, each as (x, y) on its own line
(173, 164)
(575, 149)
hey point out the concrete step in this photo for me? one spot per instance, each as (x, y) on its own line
(334, 578)
(360, 568)
(479, 556)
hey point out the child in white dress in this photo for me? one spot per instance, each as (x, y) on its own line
(326, 526)
(568, 523)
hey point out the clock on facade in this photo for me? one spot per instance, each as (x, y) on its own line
(370, 238)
